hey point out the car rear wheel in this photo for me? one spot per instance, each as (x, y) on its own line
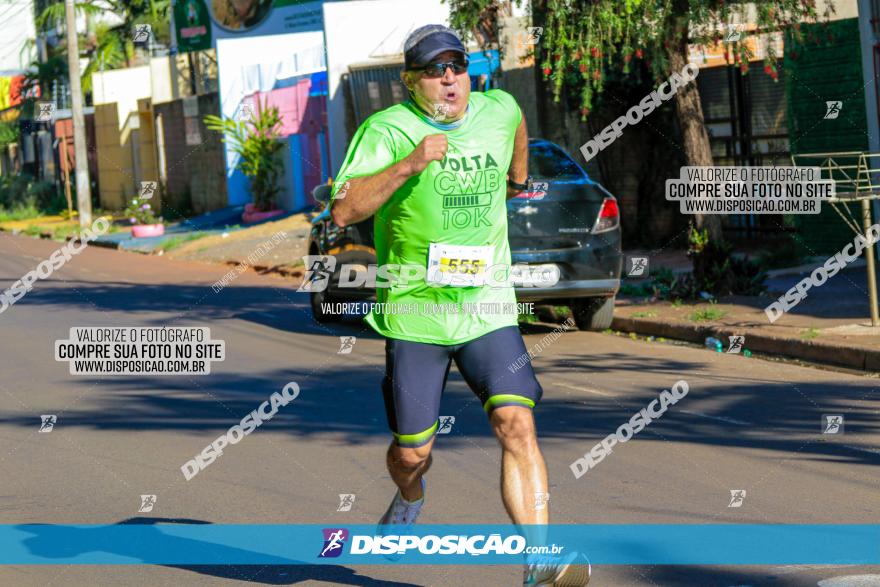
(318, 299)
(593, 313)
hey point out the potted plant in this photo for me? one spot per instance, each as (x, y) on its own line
(145, 222)
(255, 141)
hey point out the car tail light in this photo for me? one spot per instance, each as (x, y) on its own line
(609, 216)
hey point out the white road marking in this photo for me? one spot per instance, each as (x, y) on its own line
(851, 581)
(789, 569)
(719, 418)
(586, 389)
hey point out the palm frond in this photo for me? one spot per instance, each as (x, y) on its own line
(55, 12)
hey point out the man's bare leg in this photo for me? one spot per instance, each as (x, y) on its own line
(407, 465)
(523, 477)
(523, 472)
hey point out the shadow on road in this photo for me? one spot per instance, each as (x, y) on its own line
(343, 399)
(51, 542)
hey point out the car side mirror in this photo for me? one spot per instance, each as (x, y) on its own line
(321, 194)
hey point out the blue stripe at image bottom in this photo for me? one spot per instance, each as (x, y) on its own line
(310, 544)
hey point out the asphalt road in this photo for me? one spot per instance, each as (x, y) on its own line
(748, 424)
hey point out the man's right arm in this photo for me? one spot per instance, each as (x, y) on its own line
(367, 193)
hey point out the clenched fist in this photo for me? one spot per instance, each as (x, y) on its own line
(432, 148)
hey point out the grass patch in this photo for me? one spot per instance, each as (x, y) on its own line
(707, 314)
(32, 230)
(176, 241)
(810, 333)
(785, 253)
(20, 212)
(528, 318)
(677, 303)
(649, 314)
(64, 231)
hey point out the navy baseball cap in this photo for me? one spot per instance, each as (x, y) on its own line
(427, 42)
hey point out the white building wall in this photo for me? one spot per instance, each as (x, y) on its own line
(17, 18)
(360, 31)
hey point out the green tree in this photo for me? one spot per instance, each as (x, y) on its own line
(113, 46)
(256, 142)
(42, 74)
(583, 42)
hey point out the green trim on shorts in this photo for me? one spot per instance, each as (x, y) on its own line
(509, 399)
(418, 439)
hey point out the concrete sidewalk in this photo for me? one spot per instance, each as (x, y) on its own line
(831, 326)
(283, 255)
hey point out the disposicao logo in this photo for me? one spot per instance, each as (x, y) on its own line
(334, 539)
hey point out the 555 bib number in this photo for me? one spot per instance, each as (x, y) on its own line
(458, 265)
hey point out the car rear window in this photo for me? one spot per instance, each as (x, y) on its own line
(550, 162)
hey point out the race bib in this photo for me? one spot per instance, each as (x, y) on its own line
(458, 265)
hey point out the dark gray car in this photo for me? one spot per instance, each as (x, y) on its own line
(568, 224)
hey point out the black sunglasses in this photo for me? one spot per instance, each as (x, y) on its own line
(434, 70)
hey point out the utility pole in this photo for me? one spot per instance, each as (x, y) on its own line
(83, 189)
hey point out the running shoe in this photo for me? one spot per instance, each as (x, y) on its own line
(571, 570)
(403, 512)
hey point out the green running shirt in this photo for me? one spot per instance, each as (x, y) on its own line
(460, 200)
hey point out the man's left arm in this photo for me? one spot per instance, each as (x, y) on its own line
(519, 162)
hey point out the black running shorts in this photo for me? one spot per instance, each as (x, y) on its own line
(495, 366)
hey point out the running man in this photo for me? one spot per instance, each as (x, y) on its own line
(436, 172)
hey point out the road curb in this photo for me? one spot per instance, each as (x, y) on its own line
(861, 358)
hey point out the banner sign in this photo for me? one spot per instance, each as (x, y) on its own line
(193, 24)
(359, 544)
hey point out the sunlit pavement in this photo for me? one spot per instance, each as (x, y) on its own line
(746, 424)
